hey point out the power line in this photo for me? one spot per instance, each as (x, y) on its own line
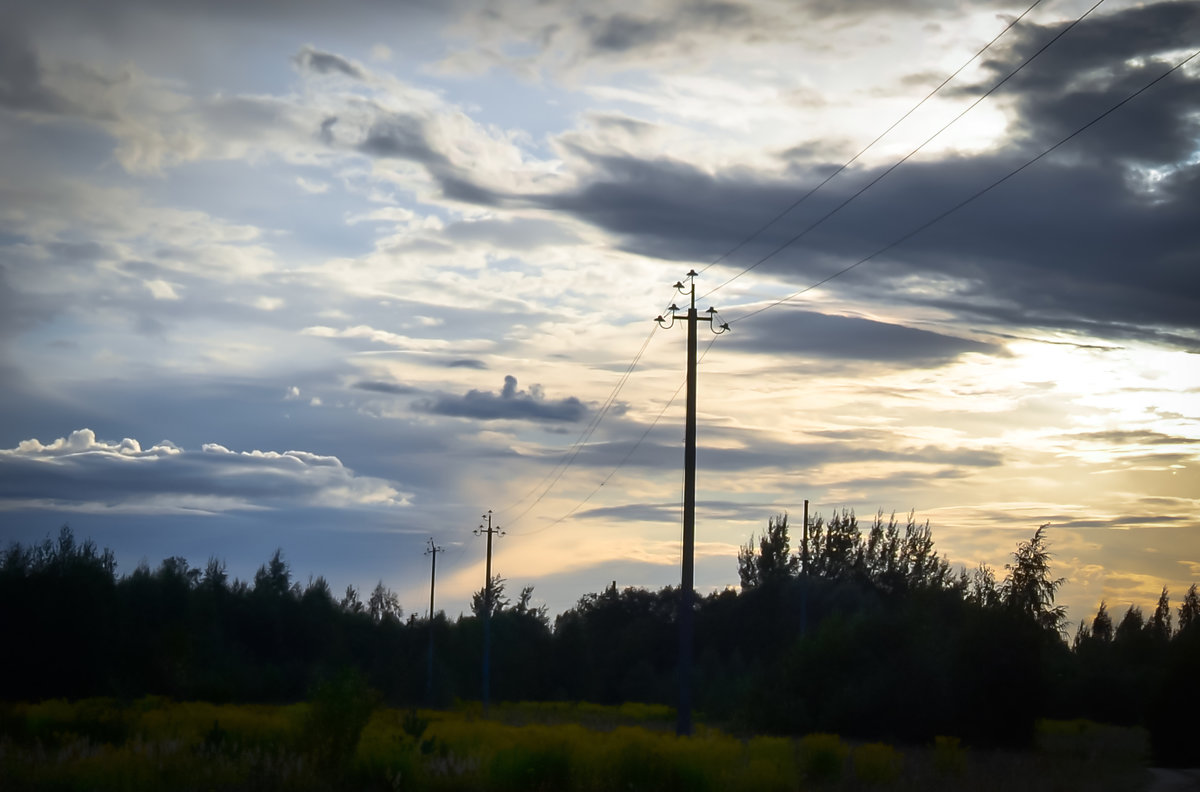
(624, 459)
(787, 210)
(556, 474)
(571, 453)
(584, 436)
(907, 156)
(569, 456)
(976, 194)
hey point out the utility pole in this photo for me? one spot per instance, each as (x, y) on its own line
(432, 551)
(487, 608)
(683, 724)
(804, 572)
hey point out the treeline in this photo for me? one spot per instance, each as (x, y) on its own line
(865, 631)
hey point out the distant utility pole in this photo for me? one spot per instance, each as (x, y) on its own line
(487, 608)
(804, 541)
(804, 572)
(432, 551)
(683, 724)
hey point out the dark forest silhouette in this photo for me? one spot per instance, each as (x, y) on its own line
(867, 632)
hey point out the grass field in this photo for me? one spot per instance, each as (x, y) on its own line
(100, 744)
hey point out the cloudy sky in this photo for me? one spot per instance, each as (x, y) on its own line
(339, 277)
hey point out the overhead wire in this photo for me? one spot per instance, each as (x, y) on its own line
(797, 237)
(569, 456)
(556, 474)
(573, 451)
(977, 194)
(788, 209)
(625, 458)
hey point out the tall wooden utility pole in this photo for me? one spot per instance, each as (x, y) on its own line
(432, 551)
(487, 608)
(683, 724)
(804, 572)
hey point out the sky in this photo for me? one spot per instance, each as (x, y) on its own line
(339, 278)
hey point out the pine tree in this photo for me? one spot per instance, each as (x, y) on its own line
(1102, 626)
(1160, 623)
(383, 605)
(774, 560)
(1029, 589)
(1189, 610)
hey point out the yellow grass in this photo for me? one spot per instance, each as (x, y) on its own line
(153, 743)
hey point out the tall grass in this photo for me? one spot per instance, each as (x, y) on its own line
(102, 745)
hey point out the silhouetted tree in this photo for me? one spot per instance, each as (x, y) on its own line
(1131, 625)
(523, 607)
(499, 601)
(383, 605)
(982, 588)
(215, 576)
(1029, 588)
(273, 578)
(1160, 622)
(773, 562)
(350, 602)
(1102, 626)
(1189, 609)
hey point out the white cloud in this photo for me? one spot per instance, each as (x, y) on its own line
(408, 343)
(312, 187)
(268, 303)
(161, 290)
(82, 473)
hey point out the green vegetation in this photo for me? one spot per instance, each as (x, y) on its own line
(153, 743)
(866, 633)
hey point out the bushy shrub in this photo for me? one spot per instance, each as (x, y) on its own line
(822, 757)
(877, 763)
(530, 768)
(337, 715)
(949, 757)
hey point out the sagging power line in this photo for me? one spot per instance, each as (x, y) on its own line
(882, 175)
(977, 194)
(833, 175)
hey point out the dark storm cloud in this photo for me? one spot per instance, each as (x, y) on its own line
(1127, 521)
(633, 127)
(1097, 64)
(1076, 241)
(326, 63)
(509, 404)
(79, 252)
(1130, 437)
(378, 386)
(792, 332)
(460, 188)
(622, 33)
(21, 85)
(406, 136)
(859, 8)
(671, 209)
(402, 136)
(514, 234)
(668, 512)
(122, 20)
(742, 450)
